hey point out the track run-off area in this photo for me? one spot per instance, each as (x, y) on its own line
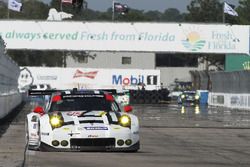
(170, 135)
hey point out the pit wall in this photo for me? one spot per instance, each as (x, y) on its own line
(226, 89)
(9, 94)
(235, 101)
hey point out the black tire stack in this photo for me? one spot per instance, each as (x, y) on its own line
(149, 97)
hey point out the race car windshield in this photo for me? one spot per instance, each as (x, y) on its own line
(190, 93)
(81, 104)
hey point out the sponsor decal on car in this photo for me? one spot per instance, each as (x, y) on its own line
(102, 113)
(66, 129)
(45, 133)
(116, 128)
(74, 113)
(92, 136)
(96, 128)
(34, 126)
(73, 133)
(136, 132)
(80, 96)
(33, 134)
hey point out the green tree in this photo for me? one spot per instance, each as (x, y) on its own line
(153, 15)
(37, 58)
(243, 11)
(204, 11)
(3, 10)
(172, 15)
(31, 10)
(133, 15)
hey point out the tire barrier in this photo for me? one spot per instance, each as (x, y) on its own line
(149, 97)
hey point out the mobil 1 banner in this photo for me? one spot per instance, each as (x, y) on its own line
(142, 79)
(90, 78)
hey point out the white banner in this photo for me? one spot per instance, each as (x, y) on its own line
(229, 100)
(107, 36)
(89, 78)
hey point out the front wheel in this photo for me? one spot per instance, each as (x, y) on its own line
(32, 143)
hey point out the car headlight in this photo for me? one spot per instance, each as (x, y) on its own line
(56, 121)
(125, 121)
(182, 96)
(197, 97)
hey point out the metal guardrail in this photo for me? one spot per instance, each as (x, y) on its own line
(237, 101)
(222, 82)
(227, 89)
(9, 72)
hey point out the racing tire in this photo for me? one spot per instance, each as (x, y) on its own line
(39, 134)
(31, 147)
(134, 148)
(26, 134)
(28, 146)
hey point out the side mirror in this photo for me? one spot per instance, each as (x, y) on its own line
(128, 108)
(39, 110)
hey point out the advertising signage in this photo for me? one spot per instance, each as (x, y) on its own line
(89, 78)
(138, 37)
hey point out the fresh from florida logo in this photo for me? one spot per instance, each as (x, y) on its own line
(193, 41)
(246, 65)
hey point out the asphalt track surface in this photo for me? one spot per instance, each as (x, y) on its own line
(170, 136)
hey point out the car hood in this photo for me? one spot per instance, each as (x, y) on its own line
(83, 116)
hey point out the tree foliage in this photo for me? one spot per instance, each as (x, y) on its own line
(205, 11)
(172, 15)
(37, 58)
(243, 11)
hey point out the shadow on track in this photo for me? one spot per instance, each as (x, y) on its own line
(10, 118)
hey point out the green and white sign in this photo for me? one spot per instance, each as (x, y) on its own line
(236, 62)
(109, 36)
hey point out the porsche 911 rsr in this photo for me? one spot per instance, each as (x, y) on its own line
(82, 121)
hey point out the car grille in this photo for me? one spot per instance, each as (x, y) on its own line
(190, 98)
(93, 142)
(82, 122)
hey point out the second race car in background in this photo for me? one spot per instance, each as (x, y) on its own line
(189, 98)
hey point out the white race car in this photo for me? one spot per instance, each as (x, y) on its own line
(82, 121)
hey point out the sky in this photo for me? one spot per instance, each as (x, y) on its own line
(161, 5)
(146, 5)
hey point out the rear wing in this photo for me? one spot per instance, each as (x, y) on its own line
(50, 92)
(115, 91)
(110, 91)
(41, 92)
